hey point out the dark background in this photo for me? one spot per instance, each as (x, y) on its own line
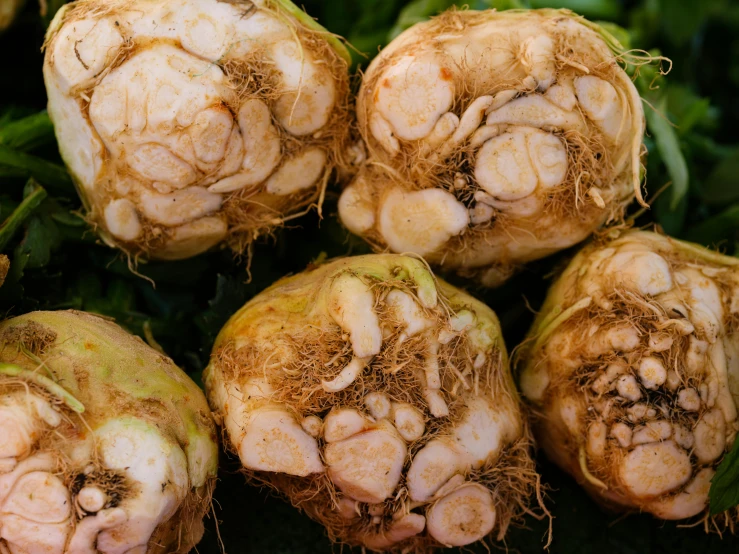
(57, 263)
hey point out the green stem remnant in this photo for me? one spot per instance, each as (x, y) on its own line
(313, 25)
(21, 213)
(44, 382)
(560, 319)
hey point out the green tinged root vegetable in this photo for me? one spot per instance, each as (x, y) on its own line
(379, 401)
(187, 123)
(494, 138)
(632, 367)
(105, 445)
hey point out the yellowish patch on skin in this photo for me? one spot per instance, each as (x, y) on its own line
(390, 455)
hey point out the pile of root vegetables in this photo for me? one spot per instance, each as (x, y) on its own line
(369, 393)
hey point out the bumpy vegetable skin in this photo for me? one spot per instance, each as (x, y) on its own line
(633, 370)
(105, 445)
(190, 123)
(494, 138)
(379, 401)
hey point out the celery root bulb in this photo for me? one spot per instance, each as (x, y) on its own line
(188, 123)
(494, 138)
(633, 369)
(377, 400)
(105, 445)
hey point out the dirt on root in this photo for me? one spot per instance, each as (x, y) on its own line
(592, 193)
(250, 213)
(312, 355)
(648, 318)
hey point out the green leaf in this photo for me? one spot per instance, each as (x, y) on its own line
(230, 295)
(366, 24)
(334, 41)
(682, 18)
(694, 115)
(40, 239)
(121, 295)
(499, 5)
(27, 133)
(724, 493)
(592, 9)
(50, 175)
(668, 146)
(722, 185)
(35, 195)
(421, 10)
(70, 219)
(7, 206)
(622, 35)
(715, 229)
(88, 287)
(690, 110)
(671, 219)
(416, 12)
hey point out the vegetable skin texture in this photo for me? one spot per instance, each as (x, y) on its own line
(115, 442)
(378, 400)
(632, 368)
(493, 139)
(190, 123)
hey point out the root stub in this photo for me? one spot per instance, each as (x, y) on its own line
(639, 332)
(462, 517)
(92, 499)
(404, 528)
(274, 441)
(654, 469)
(433, 466)
(391, 458)
(367, 467)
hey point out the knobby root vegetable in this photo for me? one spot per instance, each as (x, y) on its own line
(8, 11)
(632, 366)
(494, 138)
(187, 123)
(379, 401)
(105, 445)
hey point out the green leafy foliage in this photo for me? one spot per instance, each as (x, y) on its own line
(692, 170)
(720, 186)
(420, 10)
(665, 138)
(725, 484)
